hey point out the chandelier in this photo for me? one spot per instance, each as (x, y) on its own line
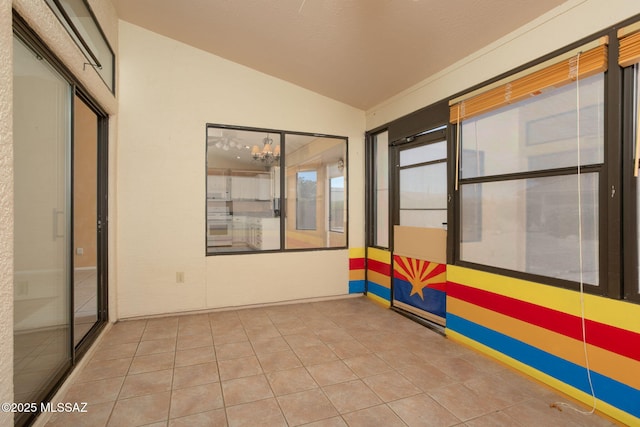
(268, 154)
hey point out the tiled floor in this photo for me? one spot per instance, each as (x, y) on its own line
(336, 363)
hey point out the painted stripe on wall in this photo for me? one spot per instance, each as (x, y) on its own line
(603, 407)
(613, 392)
(617, 340)
(380, 279)
(356, 286)
(603, 310)
(380, 255)
(381, 291)
(604, 362)
(379, 267)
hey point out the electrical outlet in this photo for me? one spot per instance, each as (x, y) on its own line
(80, 251)
(179, 276)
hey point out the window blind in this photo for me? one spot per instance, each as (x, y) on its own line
(629, 52)
(558, 73)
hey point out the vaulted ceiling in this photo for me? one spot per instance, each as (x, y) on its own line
(359, 52)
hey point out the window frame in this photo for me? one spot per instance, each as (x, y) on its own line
(630, 199)
(281, 182)
(372, 195)
(610, 283)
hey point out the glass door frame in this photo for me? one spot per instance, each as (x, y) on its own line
(23, 32)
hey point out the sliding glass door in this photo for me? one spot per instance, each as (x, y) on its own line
(42, 142)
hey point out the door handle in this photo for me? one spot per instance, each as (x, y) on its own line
(56, 224)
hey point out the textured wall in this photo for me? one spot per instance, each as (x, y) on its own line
(6, 212)
(168, 92)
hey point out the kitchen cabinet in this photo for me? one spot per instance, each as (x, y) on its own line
(251, 187)
(263, 233)
(240, 230)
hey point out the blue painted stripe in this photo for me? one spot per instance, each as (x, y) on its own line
(606, 389)
(356, 286)
(378, 290)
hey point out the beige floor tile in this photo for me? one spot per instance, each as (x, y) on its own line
(152, 334)
(201, 329)
(494, 419)
(315, 354)
(192, 400)
(331, 373)
(329, 422)
(334, 335)
(147, 383)
(379, 415)
(238, 368)
(367, 365)
(186, 342)
(463, 402)
(346, 349)
(152, 362)
(422, 411)
(115, 351)
(195, 356)
(459, 369)
(290, 381)
(97, 415)
(156, 346)
(215, 418)
(169, 322)
(278, 361)
(535, 412)
(102, 369)
(297, 341)
(306, 406)
(192, 375)
(351, 396)
(141, 410)
(95, 391)
(234, 350)
(391, 386)
(245, 390)
(269, 345)
(262, 413)
(262, 332)
(426, 377)
(226, 337)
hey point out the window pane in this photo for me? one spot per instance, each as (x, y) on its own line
(424, 187)
(531, 225)
(424, 154)
(381, 177)
(337, 206)
(243, 205)
(316, 192)
(306, 200)
(536, 134)
(88, 32)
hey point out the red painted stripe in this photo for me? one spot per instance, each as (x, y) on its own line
(611, 338)
(379, 267)
(356, 263)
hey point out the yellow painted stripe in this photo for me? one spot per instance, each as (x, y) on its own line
(602, 361)
(380, 279)
(379, 255)
(579, 395)
(379, 300)
(356, 253)
(599, 309)
(356, 274)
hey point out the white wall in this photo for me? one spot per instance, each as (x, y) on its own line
(560, 27)
(168, 91)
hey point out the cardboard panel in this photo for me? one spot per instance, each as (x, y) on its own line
(429, 244)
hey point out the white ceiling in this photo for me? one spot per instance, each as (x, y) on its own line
(359, 52)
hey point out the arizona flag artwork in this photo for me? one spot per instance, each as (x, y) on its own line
(420, 284)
